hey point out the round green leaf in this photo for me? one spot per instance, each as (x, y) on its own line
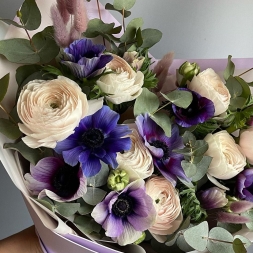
(123, 5)
(99, 179)
(4, 83)
(9, 129)
(94, 196)
(220, 240)
(150, 37)
(163, 121)
(197, 236)
(240, 244)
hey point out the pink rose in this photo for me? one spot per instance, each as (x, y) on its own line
(167, 204)
(245, 142)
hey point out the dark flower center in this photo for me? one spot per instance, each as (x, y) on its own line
(93, 138)
(123, 206)
(192, 110)
(66, 181)
(163, 146)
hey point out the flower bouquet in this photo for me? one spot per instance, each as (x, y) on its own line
(114, 152)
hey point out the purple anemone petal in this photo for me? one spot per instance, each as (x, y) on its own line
(244, 184)
(65, 145)
(120, 131)
(111, 223)
(110, 158)
(91, 167)
(71, 156)
(119, 144)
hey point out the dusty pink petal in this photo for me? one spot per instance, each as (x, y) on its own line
(61, 5)
(231, 218)
(70, 5)
(80, 17)
(241, 206)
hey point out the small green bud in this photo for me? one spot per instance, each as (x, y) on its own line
(141, 239)
(117, 180)
(187, 71)
(19, 14)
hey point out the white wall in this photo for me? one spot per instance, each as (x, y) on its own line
(192, 29)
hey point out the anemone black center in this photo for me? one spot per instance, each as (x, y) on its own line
(93, 138)
(163, 146)
(123, 206)
(66, 181)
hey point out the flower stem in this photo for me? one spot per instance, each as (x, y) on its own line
(246, 72)
(123, 23)
(100, 17)
(160, 108)
(8, 114)
(217, 240)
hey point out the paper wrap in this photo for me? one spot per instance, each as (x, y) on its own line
(55, 235)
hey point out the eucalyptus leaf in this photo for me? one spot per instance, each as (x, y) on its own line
(180, 98)
(32, 155)
(234, 87)
(46, 47)
(4, 83)
(99, 179)
(94, 195)
(84, 207)
(18, 51)
(197, 236)
(220, 240)
(150, 37)
(202, 168)
(52, 70)
(67, 209)
(123, 5)
(238, 246)
(189, 138)
(131, 30)
(163, 121)
(11, 22)
(200, 147)
(109, 6)
(249, 214)
(47, 204)
(9, 129)
(183, 245)
(231, 228)
(190, 169)
(31, 16)
(245, 241)
(86, 224)
(230, 69)
(147, 102)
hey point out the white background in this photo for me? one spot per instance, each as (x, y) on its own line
(192, 29)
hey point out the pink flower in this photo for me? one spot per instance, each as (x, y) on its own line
(167, 204)
(245, 142)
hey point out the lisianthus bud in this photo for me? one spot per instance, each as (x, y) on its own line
(212, 198)
(117, 180)
(187, 71)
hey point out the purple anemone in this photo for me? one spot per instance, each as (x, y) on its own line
(200, 110)
(84, 58)
(52, 177)
(161, 147)
(244, 185)
(98, 137)
(125, 215)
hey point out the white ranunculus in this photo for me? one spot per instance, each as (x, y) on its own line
(208, 84)
(124, 84)
(228, 160)
(245, 142)
(137, 161)
(50, 110)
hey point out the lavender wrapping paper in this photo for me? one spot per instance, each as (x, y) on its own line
(51, 241)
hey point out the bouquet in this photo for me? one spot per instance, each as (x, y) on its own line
(119, 151)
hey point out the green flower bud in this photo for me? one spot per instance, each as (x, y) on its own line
(141, 239)
(187, 71)
(19, 14)
(117, 180)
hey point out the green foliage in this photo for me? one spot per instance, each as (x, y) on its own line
(205, 128)
(163, 120)
(99, 179)
(84, 207)
(9, 129)
(94, 196)
(123, 5)
(231, 228)
(86, 224)
(229, 71)
(67, 209)
(4, 83)
(109, 6)
(150, 37)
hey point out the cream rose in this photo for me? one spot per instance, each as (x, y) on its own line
(228, 160)
(245, 142)
(208, 84)
(137, 161)
(124, 84)
(50, 110)
(167, 205)
(133, 59)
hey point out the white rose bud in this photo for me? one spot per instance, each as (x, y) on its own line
(208, 84)
(50, 110)
(228, 160)
(124, 84)
(137, 161)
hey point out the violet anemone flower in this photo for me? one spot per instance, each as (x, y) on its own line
(84, 58)
(55, 179)
(125, 215)
(244, 185)
(161, 148)
(98, 137)
(200, 110)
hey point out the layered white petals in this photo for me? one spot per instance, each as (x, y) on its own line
(124, 84)
(228, 160)
(50, 110)
(137, 161)
(208, 84)
(167, 204)
(245, 142)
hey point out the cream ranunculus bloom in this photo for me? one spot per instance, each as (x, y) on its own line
(50, 110)
(245, 142)
(208, 84)
(124, 84)
(228, 160)
(167, 204)
(137, 161)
